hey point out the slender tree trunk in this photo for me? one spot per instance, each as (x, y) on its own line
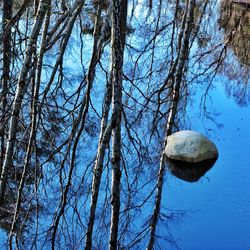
(7, 15)
(22, 86)
(182, 58)
(106, 128)
(90, 79)
(119, 17)
(104, 140)
(33, 123)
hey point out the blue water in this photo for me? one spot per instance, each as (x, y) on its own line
(217, 208)
(214, 213)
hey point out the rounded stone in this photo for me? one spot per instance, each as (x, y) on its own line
(190, 146)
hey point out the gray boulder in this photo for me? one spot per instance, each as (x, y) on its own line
(190, 146)
(189, 155)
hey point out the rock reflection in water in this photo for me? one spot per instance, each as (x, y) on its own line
(189, 171)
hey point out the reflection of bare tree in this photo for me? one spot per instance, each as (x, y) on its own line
(85, 159)
(184, 39)
(235, 20)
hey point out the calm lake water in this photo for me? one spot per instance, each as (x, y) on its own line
(211, 214)
(218, 206)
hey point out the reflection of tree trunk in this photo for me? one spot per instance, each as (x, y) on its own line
(6, 16)
(118, 35)
(119, 16)
(104, 139)
(84, 110)
(99, 39)
(178, 76)
(20, 92)
(33, 124)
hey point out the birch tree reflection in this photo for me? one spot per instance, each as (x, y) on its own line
(90, 90)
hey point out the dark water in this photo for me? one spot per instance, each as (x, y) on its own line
(211, 214)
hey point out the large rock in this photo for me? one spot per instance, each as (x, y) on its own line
(190, 146)
(189, 155)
